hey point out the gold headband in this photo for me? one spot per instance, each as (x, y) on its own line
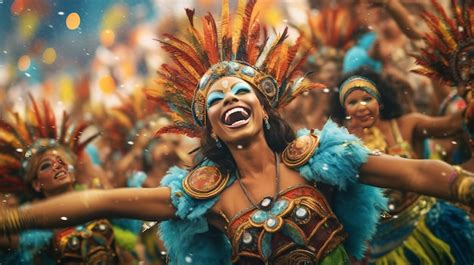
(357, 82)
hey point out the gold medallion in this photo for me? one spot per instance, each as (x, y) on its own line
(298, 152)
(204, 182)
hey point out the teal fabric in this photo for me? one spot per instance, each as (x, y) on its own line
(189, 239)
(31, 244)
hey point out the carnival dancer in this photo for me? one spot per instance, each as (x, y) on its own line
(419, 229)
(39, 161)
(328, 33)
(227, 87)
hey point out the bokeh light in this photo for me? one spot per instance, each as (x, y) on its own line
(107, 84)
(73, 21)
(28, 25)
(107, 37)
(49, 56)
(24, 63)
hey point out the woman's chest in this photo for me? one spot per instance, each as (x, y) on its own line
(299, 223)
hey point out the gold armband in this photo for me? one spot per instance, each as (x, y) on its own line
(12, 221)
(462, 187)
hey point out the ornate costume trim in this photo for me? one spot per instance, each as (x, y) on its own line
(204, 182)
(298, 152)
(307, 226)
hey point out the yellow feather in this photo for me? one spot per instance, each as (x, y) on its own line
(121, 118)
(237, 26)
(225, 19)
(9, 137)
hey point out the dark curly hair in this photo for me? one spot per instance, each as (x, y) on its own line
(390, 104)
(278, 137)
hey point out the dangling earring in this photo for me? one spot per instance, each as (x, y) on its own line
(267, 124)
(218, 142)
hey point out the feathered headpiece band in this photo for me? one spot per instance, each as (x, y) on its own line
(236, 48)
(449, 52)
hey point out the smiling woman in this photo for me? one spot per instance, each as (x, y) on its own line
(50, 175)
(253, 197)
(43, 165)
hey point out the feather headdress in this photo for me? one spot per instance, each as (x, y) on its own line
(449, 52)
(21, 138)
(237, 47)
(133, 118)
(331, 33)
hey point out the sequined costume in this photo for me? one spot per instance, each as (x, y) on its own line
(413, 232)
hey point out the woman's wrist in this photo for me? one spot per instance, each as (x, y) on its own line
(462, 186)
(12, 221)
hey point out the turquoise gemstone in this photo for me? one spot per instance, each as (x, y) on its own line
(248, 71)
(279, 207)
(234, 65)
(259, 217)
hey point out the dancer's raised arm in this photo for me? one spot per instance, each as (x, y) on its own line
(75, 208)
(430, 177)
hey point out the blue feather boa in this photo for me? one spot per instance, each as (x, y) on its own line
(189, 238)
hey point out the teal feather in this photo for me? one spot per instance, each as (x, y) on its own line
(357, 206)
(189, 237)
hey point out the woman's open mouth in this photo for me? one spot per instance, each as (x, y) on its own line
(236, 117)
(60, 175)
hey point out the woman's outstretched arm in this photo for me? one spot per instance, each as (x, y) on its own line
(78, 207)
(429, 177)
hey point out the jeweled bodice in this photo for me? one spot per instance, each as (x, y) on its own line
(299, 228)
(92, 243)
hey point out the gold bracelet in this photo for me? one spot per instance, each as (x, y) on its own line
(11, 221)
(462, 187)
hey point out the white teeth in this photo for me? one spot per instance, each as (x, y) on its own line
(60, 174)
(234, 110)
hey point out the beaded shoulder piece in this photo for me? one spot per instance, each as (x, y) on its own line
(298, 152)
(205, 182)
